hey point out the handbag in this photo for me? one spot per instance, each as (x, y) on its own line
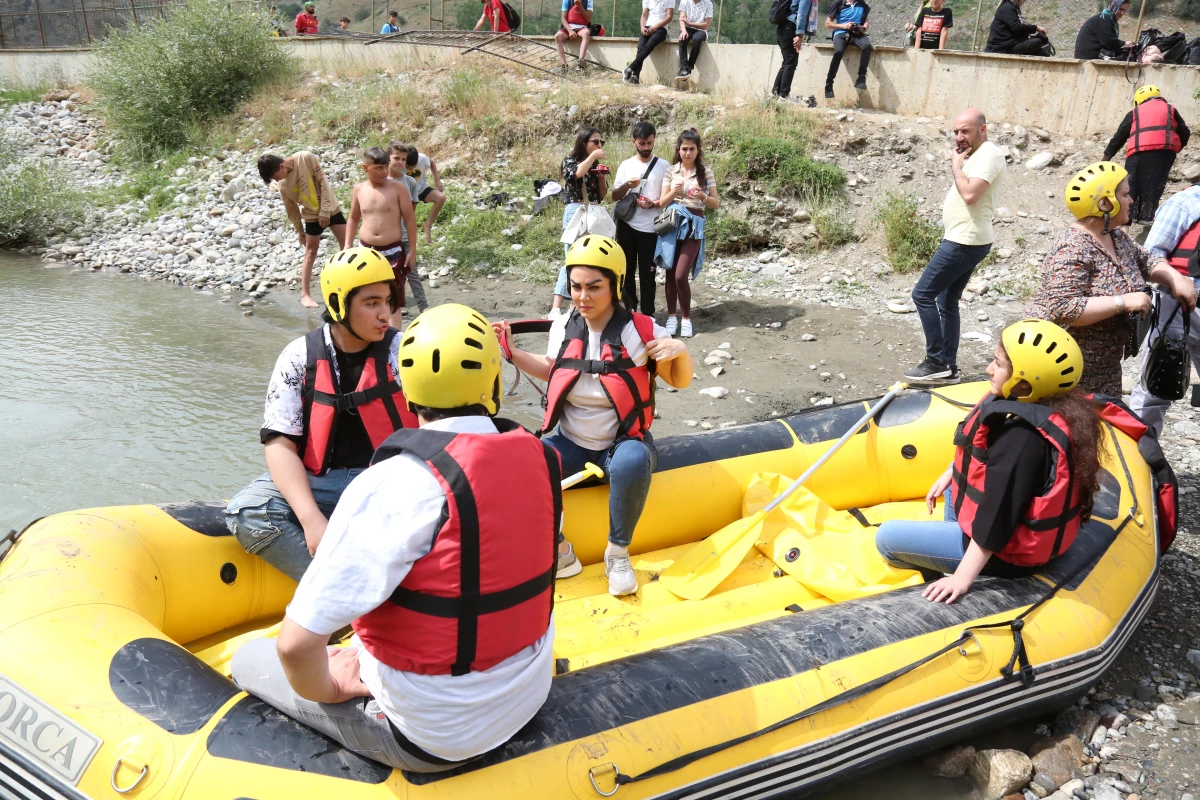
(1168, 369)
(666, 221)
(627, 206)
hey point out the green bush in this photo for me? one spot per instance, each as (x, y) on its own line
(910, 239)
(834, 227)
(158, 84)
(37, 199)
(1188, 9)
(771, 146)
(724, 233)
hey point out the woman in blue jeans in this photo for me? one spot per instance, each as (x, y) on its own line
(1025, 471)
(600, 365)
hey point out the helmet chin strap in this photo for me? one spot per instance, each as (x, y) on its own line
(346, 324)
(1106, 231)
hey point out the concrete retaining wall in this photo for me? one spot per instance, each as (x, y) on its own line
(1061, 95)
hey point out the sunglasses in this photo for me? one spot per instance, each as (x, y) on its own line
(599, 142)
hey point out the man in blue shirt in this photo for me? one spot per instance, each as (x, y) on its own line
(848, 21)
(393, 23)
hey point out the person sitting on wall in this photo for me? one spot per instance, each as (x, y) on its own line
(392, 25)
(420, 688)
(1010, 33)
(849, 21)
(1100, 36)
(306, 21)
(934, 22)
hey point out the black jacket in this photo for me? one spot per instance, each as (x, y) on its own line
(1126, 127)
(1100, 32)
(1008, 29)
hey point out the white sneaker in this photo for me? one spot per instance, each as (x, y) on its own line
(554, 313)
(685, 330)
(672, 326)
(568, 564)
(618, 568)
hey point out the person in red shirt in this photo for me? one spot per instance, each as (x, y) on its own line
(576, 24)
(306, 21)
(493, 12)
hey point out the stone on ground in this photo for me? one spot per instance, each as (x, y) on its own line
(997, 773)
(951, 763)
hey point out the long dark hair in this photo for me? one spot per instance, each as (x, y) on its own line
(692, 135)
(581, 142)
(1084, 423)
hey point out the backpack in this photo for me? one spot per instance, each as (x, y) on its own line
(1174, 47)
(778, 13)
(514, 19)
(1193, 53)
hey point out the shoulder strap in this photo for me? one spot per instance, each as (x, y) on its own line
(421, 442)
(314, 345)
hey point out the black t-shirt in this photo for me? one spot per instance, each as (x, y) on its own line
(930, 24)
(1019, 468)
(351, 445)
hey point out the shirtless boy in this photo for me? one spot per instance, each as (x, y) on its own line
(397, 171)
(380, 205)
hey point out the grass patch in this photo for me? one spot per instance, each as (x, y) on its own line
(835, 227)
(37, 199)
(150, 183)
(724, 233)
(477, 240)
(909, 239)
(28, 94)
(158, 83)
(770, 144)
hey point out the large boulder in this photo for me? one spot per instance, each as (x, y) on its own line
(997, 773)
(1059, 758)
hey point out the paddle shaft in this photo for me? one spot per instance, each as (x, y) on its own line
(895, 390)
(590, 470)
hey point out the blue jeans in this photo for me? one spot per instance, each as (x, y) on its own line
(933, 546)
(266, 526)
(560, 286)
(937, 293)
(627, 467)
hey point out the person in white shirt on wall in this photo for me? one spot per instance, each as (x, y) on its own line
(656, 16)
(642, 174)
(600, 367)
(465, 506)
(695, 17)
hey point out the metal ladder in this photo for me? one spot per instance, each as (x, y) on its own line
(508, 46)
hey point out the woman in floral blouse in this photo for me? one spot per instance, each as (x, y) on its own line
(1093, 277)
(578, 177)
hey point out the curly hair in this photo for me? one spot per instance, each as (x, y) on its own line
(1083, 421)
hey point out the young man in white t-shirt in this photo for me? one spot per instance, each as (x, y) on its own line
(978, 167)
(656, 16)
(643, 175)
(695, 17)
(418, 689)
(420, 168)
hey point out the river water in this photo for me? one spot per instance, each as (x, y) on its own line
(121, 391)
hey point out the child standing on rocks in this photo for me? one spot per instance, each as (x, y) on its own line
(397, 164)
(420, 167)
(383, 206)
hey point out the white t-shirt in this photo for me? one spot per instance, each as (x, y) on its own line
(420, 174)
(411, 185)
(972, 224)
(658, 10)
(630, 168)
(588, 419)
(284, 410)
(387, 519)
(695, 12)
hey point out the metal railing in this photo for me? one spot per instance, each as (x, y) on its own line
(70, 23)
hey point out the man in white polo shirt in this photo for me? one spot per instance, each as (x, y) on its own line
(641, 174)
(695, 16)
(656, 16)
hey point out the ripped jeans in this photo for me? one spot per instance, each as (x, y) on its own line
(266, 526)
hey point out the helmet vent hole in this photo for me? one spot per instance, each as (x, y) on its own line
(478, 345)
(1060, 359)
(1068, 371)
(1037, 340)
(437, 360)
(1066, 385)
(408, 362)
(1021, 338)
(1052, 346)
(471, 364)
(409, 340)
(474, 327)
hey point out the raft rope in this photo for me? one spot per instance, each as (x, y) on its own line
(949, 400)
(1019, 656)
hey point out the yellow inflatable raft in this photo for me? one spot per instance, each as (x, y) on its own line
(812, 661)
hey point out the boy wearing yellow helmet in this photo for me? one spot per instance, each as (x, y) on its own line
(442, 557)
(600, 367)
(1031, 431)
(1152, 133)
(332, 399)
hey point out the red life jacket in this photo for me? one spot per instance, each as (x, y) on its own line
(1183, 257)
(306, 23)
(486, 589)
(629, 388)
(1052, 519)
(377, 400)
(1153, 128)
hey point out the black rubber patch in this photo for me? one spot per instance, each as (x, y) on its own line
(825, 424)
(676, 452)
(905, 409)
(909, 451)
(254, 733)
(228, 573)
(1106, 504)
(205, 518)
(168, 685)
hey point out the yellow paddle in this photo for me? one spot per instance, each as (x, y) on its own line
(695, 574)
(590, 470)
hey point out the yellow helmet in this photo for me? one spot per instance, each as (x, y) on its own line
(600, 252)
(1043, 355)
(1144, 93)
(1090, 185)
(347, 270)
(449, 358)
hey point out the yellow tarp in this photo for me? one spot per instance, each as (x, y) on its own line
(826, 550)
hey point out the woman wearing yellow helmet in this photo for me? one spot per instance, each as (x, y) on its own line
(600, 367)
(1093, 277)
(1033, 430)
(1152, 133)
